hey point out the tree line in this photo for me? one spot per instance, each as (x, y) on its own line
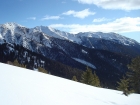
(16, 63)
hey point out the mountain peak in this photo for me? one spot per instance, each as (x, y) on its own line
(12, 24)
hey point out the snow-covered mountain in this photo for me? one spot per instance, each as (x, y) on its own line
(77, 38)
(13, 28)
(25, 87)
(106, 53)
(15, 33)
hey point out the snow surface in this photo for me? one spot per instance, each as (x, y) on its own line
(85, 63)
(20, 86)
(83, 51)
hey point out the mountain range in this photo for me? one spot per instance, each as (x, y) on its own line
(64, 54)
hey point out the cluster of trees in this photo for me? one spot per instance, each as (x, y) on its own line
(16, 63)
(89, 78)
(131, 81)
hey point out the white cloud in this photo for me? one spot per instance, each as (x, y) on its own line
(121, 25)
(51, 18)
(32, 18)
(100, 19)
(114, 4)
(80, 14)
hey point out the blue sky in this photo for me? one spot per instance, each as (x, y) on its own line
(120, 16)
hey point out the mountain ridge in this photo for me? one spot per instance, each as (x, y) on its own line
(65, 35)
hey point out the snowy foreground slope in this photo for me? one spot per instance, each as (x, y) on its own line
(20, 86)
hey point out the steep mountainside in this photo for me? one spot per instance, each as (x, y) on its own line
(64, 54)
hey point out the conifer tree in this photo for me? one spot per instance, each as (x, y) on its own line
(134, 75)
(91, 79)
(96, 80)
(74, 78)
(123, 85)
(40, 69)
(87, 77)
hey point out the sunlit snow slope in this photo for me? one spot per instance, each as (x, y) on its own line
(20, 86)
